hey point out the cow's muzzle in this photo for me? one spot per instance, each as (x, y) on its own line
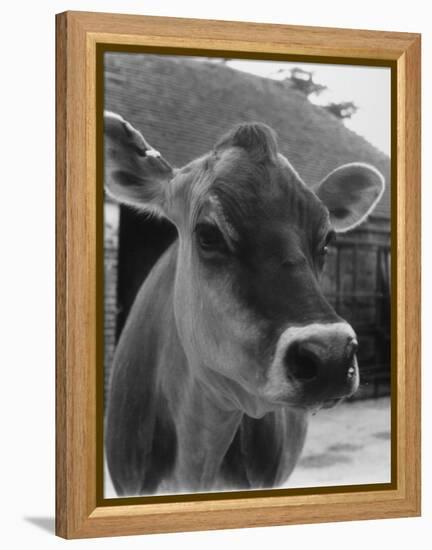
(319, 360)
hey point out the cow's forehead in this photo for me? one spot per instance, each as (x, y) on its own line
(250, 192)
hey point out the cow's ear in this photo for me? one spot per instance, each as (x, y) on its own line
(350, 193)
(135, 173)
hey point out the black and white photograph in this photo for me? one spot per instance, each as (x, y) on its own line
(247, 275)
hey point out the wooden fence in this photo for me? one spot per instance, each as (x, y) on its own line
(358, 285)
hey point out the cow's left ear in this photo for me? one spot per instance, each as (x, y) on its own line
(350, 193)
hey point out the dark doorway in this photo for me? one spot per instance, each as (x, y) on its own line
(142, 240)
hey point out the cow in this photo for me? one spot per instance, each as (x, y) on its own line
(230, 344)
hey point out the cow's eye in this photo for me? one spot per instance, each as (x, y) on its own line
(209, 238)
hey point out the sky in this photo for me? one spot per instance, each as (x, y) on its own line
(367, 87)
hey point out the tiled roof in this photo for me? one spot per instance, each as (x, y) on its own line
(182, 106)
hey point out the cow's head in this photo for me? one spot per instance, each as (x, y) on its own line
(253, 238)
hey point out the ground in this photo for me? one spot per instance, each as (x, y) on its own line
(348, 444)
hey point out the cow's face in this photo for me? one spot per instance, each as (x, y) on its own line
(253, 238)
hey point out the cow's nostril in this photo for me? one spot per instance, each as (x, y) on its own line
(302, 362)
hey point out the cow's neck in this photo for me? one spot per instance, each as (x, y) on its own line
(205, 425)
(205, 430)
(206, 409)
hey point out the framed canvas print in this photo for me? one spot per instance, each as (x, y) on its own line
(238, 274)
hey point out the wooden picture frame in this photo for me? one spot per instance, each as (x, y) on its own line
(79, 510)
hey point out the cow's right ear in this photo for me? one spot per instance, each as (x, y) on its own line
(135, 173)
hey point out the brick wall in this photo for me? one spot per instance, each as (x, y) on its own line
(111, 219)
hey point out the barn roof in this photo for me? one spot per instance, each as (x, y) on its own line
(183, 106)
